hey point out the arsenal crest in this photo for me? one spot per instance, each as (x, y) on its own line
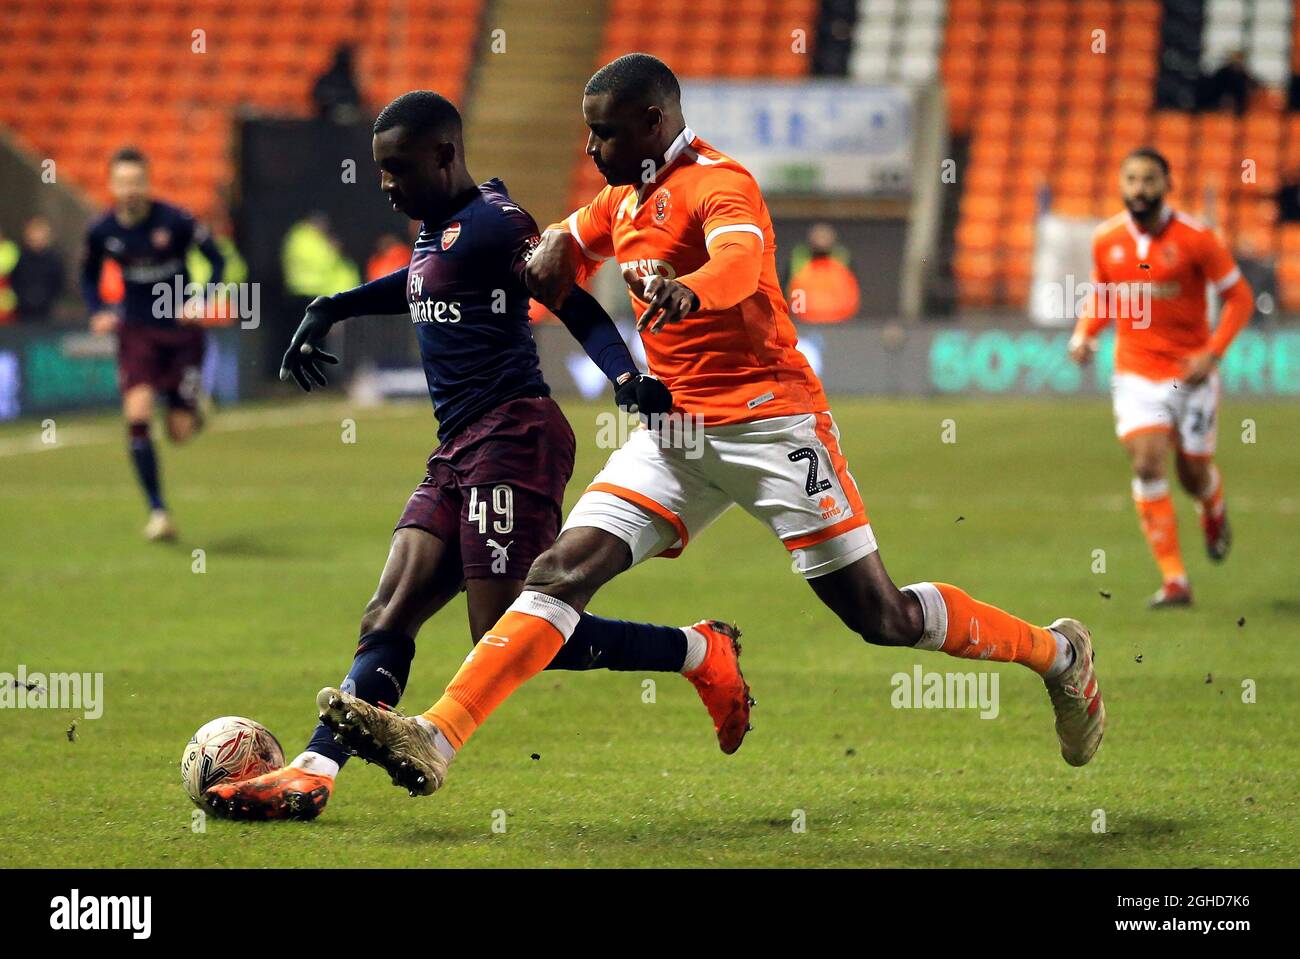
(450, 234)
(160, 238)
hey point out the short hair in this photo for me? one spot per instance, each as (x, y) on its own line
(636, 75)
(420, 112)
(128, 154)
(1152, 154)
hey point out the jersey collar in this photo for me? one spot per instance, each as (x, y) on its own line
(148, 215)
(492, 185)
(679, 147)
(1141, 239)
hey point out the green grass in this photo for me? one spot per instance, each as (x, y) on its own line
(295, 527)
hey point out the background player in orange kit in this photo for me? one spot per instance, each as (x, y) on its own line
(1166, 384)
(694, 241)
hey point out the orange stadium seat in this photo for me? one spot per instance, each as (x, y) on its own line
(1024, 85)
(130, 86)
(708, 38)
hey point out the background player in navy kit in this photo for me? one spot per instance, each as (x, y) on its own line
(159, 353)
(492, 497)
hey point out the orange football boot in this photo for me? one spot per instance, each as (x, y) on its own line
(287, 793)
(721, 685)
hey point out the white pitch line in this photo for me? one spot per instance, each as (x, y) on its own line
(222, 422)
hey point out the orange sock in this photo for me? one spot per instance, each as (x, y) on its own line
(1155, 509)
(517, 648)
(964, 627)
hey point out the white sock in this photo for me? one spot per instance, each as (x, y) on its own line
(316, 763)
(1064, 656)
(696, 647)
(440, 741)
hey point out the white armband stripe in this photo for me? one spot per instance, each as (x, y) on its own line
(1228, 280)
(572, 221)
(734, 228)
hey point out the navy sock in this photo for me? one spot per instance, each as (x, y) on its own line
(146, 464)
(600, 643)
(378, 675)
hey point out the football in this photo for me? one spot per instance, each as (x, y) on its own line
(229, 748)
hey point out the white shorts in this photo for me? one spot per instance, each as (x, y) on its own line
(1143, 405)
(661, 489)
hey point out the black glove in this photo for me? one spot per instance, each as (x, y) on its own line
(303, 357)
(643, 393)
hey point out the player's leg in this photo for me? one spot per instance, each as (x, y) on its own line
(1144, 419)
(790, 473)
(597, 642)
(866, 599)
(137, 409)
(1149, 453)
(419, 577)
(646, 502)
(1197, 472)
(1199, 476)
(183, 385)
(940, 617)
(707, 652)
(527, 637)
(416, 752)
(545, 615)
(794, 477)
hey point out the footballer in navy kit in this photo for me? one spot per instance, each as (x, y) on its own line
(160, 344)
(491, 499)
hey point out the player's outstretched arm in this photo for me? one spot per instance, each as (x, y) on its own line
(592, 327)
(730, 276)
(379, 297)
(552, 270)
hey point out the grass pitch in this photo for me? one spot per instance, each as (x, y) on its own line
(294, 525)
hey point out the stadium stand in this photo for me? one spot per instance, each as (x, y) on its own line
(1055, 118)
(122, 86)
(718, 39)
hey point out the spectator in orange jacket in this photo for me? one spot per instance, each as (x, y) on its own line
(390, 255)
(822, 287)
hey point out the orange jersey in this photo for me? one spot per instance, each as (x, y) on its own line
(1175, 263)
(733, 363)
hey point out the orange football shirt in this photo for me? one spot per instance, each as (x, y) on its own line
(729, 365)
(1178, 260)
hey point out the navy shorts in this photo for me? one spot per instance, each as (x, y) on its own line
(495, 490)
(168, 358)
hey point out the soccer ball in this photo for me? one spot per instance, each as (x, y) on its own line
(229, 748)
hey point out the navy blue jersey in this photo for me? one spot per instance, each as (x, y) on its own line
(150, 252)
(469, 306)
(466, 297)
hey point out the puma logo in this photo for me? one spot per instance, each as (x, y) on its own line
(500, 556)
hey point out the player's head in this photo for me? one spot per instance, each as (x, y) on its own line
(128, 180)
(1143, 181)
(633, 107)
(420, 152)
